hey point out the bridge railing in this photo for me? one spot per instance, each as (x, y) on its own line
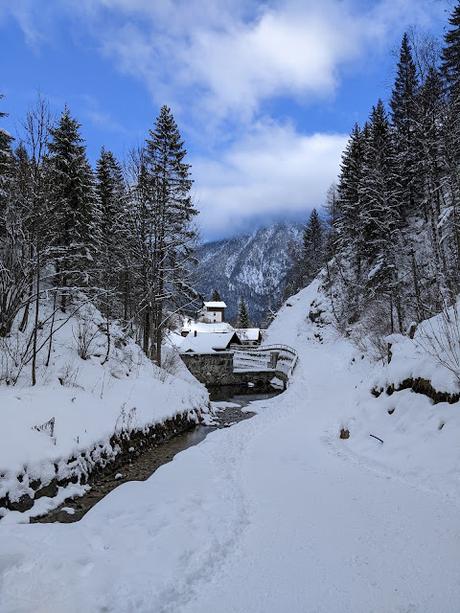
(260, 358)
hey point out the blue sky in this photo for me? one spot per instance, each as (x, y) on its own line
(264, 92)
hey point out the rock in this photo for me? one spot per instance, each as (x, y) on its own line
(344, 433)
(49, 490)
(24, 503)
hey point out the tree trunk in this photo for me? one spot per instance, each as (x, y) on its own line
(37, 314)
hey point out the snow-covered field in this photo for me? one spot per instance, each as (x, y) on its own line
(274, 514)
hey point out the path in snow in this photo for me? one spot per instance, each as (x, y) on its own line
(268, 516)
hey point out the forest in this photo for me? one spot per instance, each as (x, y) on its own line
(121, 236)
(390, 236)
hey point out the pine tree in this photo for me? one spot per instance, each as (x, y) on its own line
(112, 235)
(215, 296)
(451, 55)
(173, 235)
(350, 244)
(405, 118)
(75, 212)
(312, 247)
(5, 162)
(331, 209)
(243, 314)
(11, 284)
(432, 173)
(112, 231)
(379, 197)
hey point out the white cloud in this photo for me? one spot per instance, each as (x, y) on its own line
(216, 62)
(271, 173)
(226, 58)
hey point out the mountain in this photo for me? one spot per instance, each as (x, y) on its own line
(253, 266)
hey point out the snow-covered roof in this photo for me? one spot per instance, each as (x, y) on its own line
(212, 328)
(208, 343)
(215, 305)
(174, 340)
(248, 334)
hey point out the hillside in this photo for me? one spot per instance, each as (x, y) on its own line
(253, 266)
(89, 398)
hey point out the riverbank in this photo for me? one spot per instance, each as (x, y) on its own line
(142, 463)
(55, 436)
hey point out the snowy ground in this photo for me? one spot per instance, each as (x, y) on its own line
(274, 514)
(79, 404)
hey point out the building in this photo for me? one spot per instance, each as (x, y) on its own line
(212, 312)
(250, 336)
(191, 326)
(209, 343)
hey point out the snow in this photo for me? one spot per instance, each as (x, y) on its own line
(248, 334)
(44, 505)
(210, 328)
(428, 355)
(276, 513)
(215, 305)
(208, 343)
(94, 401)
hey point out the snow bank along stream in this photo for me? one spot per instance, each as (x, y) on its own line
(229, 410)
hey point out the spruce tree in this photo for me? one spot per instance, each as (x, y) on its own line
(432, 173)
(405, 119)
(112, 230)
(112, 235)
(5, 162)
(10, 290)
(451, 146)
(451, 55)
(215, 296)
(350, 244)
(379, 197)
(243, 314)
(173, 236)
(75, 213)
(312, 247)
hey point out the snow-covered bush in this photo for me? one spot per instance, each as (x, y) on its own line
(440, 337)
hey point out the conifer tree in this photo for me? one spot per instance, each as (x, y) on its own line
(112, 230)
(215, 296)
(312, 247)
(451, 146)
(350, 244)
(75, 213)
(243, 314)
(451, 55)
(112, 234)
(331, 209)
(405, 119)
(432, 173)
(173, 234)
(379, 198)
(5, 162)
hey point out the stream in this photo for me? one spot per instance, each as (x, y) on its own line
(144, 465)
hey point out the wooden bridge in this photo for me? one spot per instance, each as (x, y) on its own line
(277, 360)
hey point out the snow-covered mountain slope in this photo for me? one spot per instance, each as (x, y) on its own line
(274, 514)
(251, 266)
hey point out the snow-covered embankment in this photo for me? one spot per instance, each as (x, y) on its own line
(82, 415)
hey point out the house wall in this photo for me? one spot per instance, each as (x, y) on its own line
(215, 316)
